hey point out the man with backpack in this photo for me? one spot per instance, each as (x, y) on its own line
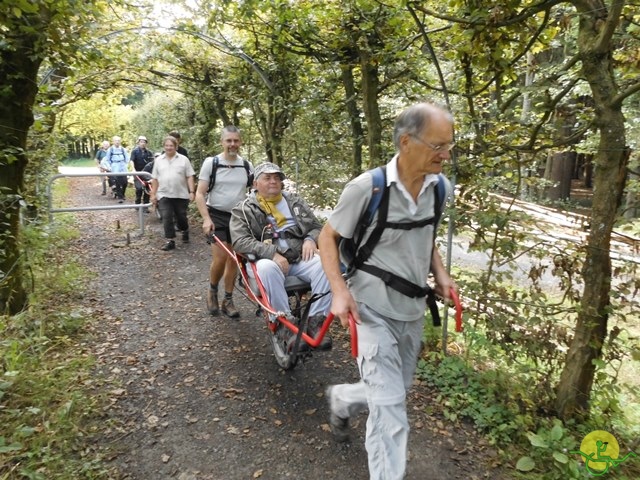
(388, 264)
(222, 183)
(141, 157)
(117, 158)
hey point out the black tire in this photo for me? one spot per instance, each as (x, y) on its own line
(280, 348)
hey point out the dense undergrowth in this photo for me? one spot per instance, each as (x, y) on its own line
(49, 405)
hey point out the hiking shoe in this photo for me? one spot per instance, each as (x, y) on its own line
(170, 245)
(212, 301)
(313, 328)
(185, 236)
(339, 426)
(229, 309)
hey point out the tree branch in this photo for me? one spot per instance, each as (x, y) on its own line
(618, 99)
(603, 42)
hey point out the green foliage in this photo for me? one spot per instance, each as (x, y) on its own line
(46, 385)
(513, 75)
(488, 397)
(549, 456)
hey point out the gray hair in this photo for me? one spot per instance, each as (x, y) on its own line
(230, 129)
(414, 119)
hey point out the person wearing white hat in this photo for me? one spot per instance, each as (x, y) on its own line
(117, 159)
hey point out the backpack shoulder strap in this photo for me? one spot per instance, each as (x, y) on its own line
(379, 184)
(215, 162)
(379, 203)
(247, 167)
(440, 191)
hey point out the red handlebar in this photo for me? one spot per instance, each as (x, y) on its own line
(456, 302)
(354, 330)
(353, 327)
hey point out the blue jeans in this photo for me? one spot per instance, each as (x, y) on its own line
(273, 280)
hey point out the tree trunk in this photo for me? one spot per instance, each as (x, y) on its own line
(370, 85)
(18, 73)
(576, 380)
(357, 133)
(561, 172)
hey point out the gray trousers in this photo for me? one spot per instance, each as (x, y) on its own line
(387, 357)
(273, 280)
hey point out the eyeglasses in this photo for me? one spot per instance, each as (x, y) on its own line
(443, 147)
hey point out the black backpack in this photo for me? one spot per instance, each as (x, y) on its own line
(215, 165)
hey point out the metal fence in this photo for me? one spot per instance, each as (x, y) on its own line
(141, 206)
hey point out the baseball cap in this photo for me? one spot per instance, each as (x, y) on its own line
(267, 167)
(142, 137)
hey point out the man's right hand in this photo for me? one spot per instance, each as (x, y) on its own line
(343, 305)
(208, 227)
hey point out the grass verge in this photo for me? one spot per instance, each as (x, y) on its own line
(49, 403)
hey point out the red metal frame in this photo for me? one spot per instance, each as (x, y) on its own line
(264, 303)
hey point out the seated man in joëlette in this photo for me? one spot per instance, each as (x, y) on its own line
(281, 231)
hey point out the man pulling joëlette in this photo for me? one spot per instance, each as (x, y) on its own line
(390, 322)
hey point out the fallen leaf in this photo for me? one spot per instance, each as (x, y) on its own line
(257, 473)
(152, 420)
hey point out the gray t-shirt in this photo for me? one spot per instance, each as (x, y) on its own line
(406, 253)
(230, 184)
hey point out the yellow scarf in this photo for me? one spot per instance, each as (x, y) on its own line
(269, 206)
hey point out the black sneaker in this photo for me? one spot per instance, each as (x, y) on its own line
(185, 236)
(339, 426)
(170, 245)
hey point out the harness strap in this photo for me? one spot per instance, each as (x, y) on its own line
(410, 225)
(399, 284)
(215, 165)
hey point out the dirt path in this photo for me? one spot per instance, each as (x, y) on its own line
(201, 397)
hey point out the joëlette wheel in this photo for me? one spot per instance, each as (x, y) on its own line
(279, 346)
